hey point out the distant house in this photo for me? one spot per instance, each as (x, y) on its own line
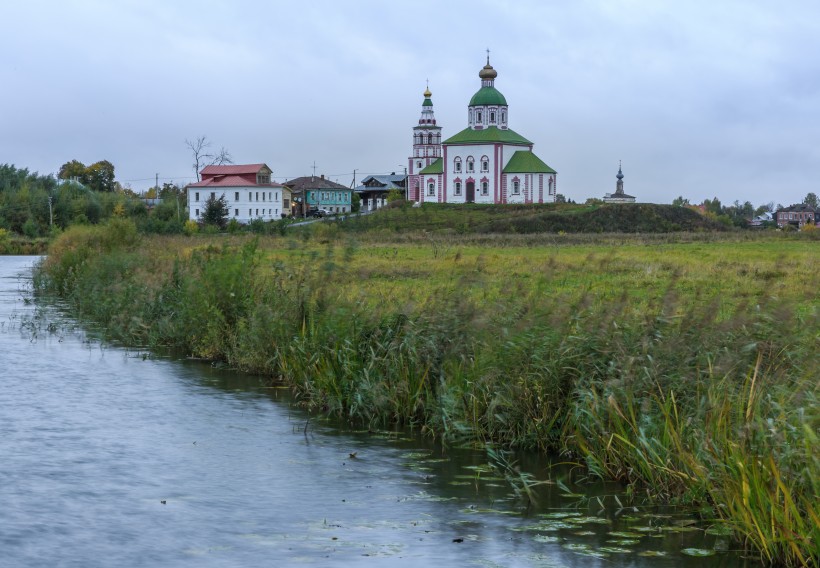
(797, 215)
(619, 196)
(374, 189)
(248, 190)
(759, 220)
(311, 193)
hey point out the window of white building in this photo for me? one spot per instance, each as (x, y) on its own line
(485, 164)
(516, 189)
(457, 165)
(458, 188)
(431, 189)
(485, 188)
(470, 165)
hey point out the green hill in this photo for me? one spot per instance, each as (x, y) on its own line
(546, 218)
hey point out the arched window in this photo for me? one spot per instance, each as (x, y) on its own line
(429, 138)
(478, 117)
(516, 189)
(492, 117)
(485, 164)
(458, 188)
(470, 165)
(457, 165)
(431, 188)
(485, 188)
(503, 117)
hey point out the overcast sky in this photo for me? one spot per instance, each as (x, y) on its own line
(698, 98)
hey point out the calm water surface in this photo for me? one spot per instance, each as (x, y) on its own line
(110, 457)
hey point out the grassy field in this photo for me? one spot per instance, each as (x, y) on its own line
(684, 365)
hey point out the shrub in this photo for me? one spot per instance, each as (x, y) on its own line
(191, 227)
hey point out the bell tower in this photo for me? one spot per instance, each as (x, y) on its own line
(426, 146)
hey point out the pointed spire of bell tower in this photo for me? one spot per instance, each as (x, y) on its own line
(426, 144)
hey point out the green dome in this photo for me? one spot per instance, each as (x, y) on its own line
(488, 96)
(427, 103)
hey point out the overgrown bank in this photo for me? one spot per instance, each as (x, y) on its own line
(646, 366)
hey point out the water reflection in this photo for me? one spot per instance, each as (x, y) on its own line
(114, 458)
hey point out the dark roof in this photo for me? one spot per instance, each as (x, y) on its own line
(313, 182)
(798, 208)
(385, 183)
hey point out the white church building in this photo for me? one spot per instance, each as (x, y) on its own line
(487, 162)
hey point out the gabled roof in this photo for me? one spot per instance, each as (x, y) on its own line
(436, 167)
(230, 181)
(487, 135)
(233, 169)
(234, 175)
(797, 208)
(313, 182)
(386, 183)
(525, 162)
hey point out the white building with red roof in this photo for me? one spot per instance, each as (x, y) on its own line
(248, 190)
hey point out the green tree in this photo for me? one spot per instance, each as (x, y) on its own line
(216, 212)
(680, 201)
(811, 200)
(100, 176)
(560, 198)
(356, 203)
(72, 169)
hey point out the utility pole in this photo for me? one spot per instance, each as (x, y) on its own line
(156, 186)
(50, 214)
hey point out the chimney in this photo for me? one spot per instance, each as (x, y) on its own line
(323, 176)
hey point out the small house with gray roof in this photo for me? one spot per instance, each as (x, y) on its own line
(374, 190)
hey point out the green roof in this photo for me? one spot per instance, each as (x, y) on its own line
(525, 162)
(436, 167)
(488, 96)
(427, 103)
(487, 135)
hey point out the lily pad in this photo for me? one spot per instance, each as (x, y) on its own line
(615, 550)
(589, 520)
(652, 553)
(720, 530)
(560, 515)
(546, 538)
(625, 534)
(698, 552)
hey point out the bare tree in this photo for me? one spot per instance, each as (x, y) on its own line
(202, 157)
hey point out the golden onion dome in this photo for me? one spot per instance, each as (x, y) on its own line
(427, 93)
(487, 72)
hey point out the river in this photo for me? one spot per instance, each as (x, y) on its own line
(111, 456)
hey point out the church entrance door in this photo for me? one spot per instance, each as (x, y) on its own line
(470, 191)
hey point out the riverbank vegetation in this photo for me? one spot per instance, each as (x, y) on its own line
(684, 365)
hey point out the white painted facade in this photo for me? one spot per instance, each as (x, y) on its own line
(244, 203)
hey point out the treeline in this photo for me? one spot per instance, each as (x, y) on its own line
(34, 205)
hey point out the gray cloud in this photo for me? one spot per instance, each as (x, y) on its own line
(697, 98)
